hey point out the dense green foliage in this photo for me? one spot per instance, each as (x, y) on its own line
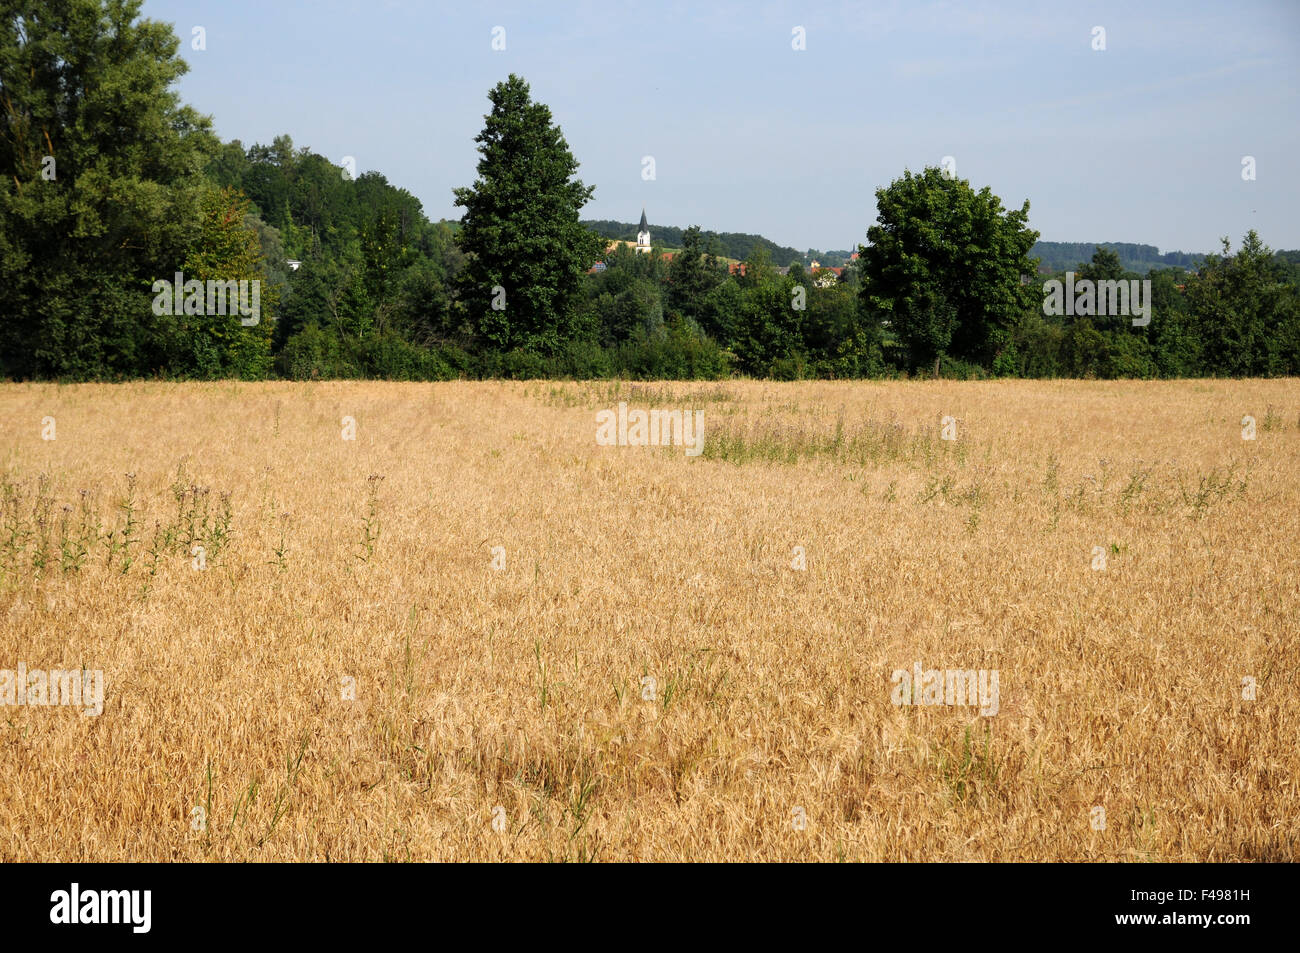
(1239, 315)
(943, 269)
(527, 251)
(109, 186)
(101, 188)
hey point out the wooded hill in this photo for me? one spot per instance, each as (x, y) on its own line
(1053, 256)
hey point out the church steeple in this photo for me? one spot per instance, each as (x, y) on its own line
(643, 235)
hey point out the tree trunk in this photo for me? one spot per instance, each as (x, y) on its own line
(936, 366)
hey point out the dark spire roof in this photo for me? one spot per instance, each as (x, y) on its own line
(644, 227)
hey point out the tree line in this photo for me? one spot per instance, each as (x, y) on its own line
(111, 184)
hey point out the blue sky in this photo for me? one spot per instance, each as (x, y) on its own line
(1141, 142)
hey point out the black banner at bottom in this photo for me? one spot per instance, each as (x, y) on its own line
(147, 902)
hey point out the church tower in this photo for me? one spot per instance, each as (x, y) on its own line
(643, 236)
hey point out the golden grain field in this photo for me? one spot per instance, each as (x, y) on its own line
(565, 651)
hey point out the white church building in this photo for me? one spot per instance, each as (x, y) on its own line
(643, 235)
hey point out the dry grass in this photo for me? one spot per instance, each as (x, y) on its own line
(522, 688)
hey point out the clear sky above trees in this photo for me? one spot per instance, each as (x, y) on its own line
(1139, 143)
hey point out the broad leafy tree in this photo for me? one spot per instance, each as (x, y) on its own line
(944, 265)
(99, 183)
